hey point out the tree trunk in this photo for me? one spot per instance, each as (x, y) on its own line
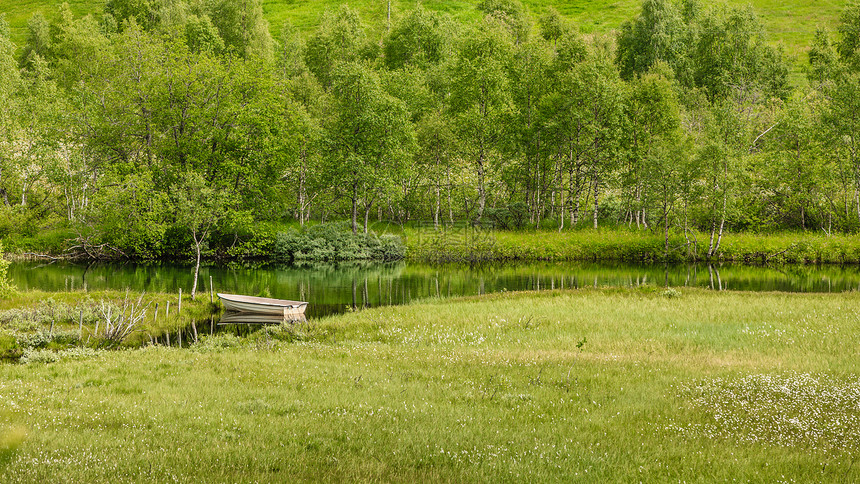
(450, 203)
(354, 208)
(666, 226)
(644, 201)
(570, 190)
(196, 267)
(482, 192)
(302, 193)
(596, 202)
(857, 198)
(563, 201)
(3, 192)
(712, 250)
(438, 208)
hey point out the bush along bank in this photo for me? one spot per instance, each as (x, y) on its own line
(476, 245)
(327, 242)
(334, 242)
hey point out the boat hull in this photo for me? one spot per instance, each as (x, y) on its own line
(248, 304)
(233, 317)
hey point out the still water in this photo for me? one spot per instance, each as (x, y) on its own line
(331, 289)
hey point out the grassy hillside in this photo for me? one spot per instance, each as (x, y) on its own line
(791, 22)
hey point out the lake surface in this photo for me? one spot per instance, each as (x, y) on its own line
(332, 289)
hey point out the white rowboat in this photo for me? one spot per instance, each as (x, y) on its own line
(263, 305)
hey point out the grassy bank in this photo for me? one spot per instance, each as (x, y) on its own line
(592, 386)
(334, 242)
(466, 244)
(43, 326)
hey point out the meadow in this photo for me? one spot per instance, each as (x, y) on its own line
(596, 385)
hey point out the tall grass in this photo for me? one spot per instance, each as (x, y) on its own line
(592, 385)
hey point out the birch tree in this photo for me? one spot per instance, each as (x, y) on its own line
(481, 98)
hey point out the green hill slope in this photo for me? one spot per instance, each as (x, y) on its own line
(791, 22)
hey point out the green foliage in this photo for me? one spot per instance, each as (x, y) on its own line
(369, 138)
(243, 28)
(202, 36)
(338, 39)
(38, 39)
(849, 30)
(683, 123)
(420, 39)
(7, 288)
(658, 33)
(717, 50)
(131, 215)
(334, 242)
(141, 12)
(553, 25)
(511, 217)
(822, 58)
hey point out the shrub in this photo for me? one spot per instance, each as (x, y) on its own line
(6, 287)
(510, 217)
(335, 242)
(39, 356)
(390, 248)
(9, 347)
(46, 339)
(217, 342)
(48, 356)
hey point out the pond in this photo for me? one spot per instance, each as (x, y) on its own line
(332, 289)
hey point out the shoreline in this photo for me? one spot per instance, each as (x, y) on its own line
(604, 245)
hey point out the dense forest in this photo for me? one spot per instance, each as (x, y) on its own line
(160, 125)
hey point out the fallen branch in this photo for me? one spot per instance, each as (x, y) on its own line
(43, 256)
(780, 252)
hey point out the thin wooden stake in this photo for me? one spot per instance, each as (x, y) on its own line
(81, 325)
(167, 311)
(179, 310)
(211, 291)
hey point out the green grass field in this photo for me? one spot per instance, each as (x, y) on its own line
(791, 22)
(572, 386)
